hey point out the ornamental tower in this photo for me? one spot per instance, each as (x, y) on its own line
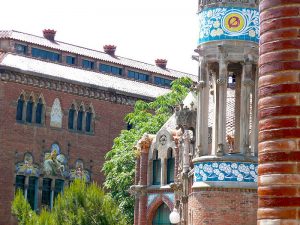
(224, 188)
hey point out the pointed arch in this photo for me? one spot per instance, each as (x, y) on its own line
(89, 119)
(20, 107)
(40, 110)
(56, 114)
(80, 117)
(72, 116)
(29, 108)
(155, 205)
(170, 166)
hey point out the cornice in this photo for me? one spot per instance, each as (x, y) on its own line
(70, 87)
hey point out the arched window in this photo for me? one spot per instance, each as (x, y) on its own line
(20, 106)
(162, 216)
(20, 183)
(39, 111)
(156, 169)
(71, 117)
(32, 192)
(170, 166)
(88, 122)
(56, 114)
(29, 109)
(80, 118)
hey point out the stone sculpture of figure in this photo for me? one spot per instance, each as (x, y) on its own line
(54, 163)
(230, 141)
(79, 172)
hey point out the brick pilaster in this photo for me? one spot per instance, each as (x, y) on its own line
(144, 144)
(279, 113)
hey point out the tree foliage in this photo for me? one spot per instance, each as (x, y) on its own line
(80, 204)
(147, 117)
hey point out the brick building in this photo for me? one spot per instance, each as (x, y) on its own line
(61, 107)
(203, 162)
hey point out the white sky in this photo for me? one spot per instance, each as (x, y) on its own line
(142, 30)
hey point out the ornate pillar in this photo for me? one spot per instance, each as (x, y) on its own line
(220, 95)
(186, 150)
(202, 109)
(254, 127)
(144, 145)
(246, 84)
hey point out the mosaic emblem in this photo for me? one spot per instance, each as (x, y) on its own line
(234, 22)
(229, 23)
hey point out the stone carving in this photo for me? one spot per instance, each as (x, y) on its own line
(55, 162)
(56, 114)
(221, 81)
(230, 141)
(163, 139)
(27, 167)
(79, 172)
(225, 171)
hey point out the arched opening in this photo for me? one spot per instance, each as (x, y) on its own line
(29, 109)
(71, 117)
(170, 166)
(162, 216)
(88, 122)
(80, 118)
(156, 172)
(20, 106)
(39, 111)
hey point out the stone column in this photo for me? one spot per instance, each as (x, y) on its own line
(186, 149)
(220, 94)
(144, 148)
(279, 113)
(246, 84)
(202, 109)
(254, 128)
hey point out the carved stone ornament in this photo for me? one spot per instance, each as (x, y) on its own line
(221, 81)
(163, 139)
(145, 143)
(56, 114)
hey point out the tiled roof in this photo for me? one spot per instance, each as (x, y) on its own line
(71, 74)
(29, 38)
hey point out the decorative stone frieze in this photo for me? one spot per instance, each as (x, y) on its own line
(77, 89)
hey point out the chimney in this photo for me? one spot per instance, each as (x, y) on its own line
(49, 34)
(162, 63)
(110, 49)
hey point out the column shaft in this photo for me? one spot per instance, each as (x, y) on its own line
(202, 109)
(254, 128)
(246, 83)
(279, 113)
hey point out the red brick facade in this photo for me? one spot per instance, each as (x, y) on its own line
(223, 207)
(279, 110)
(16, 138)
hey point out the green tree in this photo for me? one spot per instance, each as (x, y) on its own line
(147, 117)
(80, 204)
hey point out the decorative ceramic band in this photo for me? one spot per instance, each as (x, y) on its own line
(229, 23)
(152, 197)
(225, 171)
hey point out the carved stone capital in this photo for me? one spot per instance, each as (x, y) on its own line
(144, 143)
(221, 81)
(200, 85)
(137, 190)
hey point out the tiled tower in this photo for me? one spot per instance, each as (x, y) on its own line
(225, 169)
(279, 111)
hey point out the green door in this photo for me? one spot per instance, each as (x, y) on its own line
(162, 216)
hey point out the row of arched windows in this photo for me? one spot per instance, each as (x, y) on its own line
(30, 111)
(157, 171)
(79, 119)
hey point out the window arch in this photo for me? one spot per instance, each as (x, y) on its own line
(80, 118)
(29, 110)
(156, 171)
(170, 166)
(39, 111)
(89, 120)
(71, 119)
(56, 114)
(20, 108)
